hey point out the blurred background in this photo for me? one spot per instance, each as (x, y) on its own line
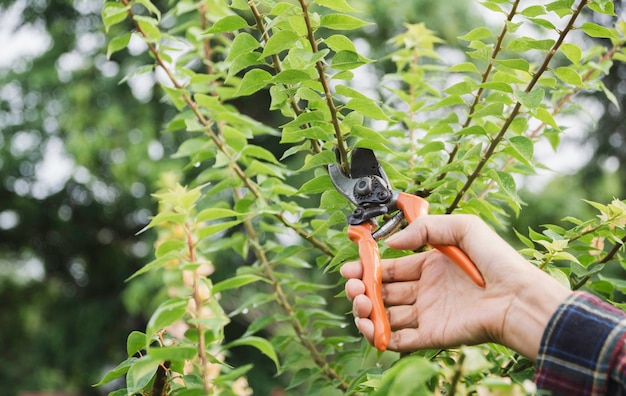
(80, 155)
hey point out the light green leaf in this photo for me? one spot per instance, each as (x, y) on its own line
(169, 246)
(155, 264)
(135, 342)
(468, 67)
(228, 24)
(253, 81)
(242, 43)
(291, 77)
(117, 372)
(478, 33)
(533, 11)
(173, 353)
(339, 42)
(595, 30)
(348, 60)
(492, 109)
(320, 159)
(140, 373)
(213, 229)
(281, 41)
(530, 100)
(167, 313)
(342, 22)
(409, 376)
(572, 51)
(569, 75)
(117, 44)
(216, 213)
(113, 13)
(368, 108)
(236, 282)
(336, 5)
(518, 64)
(150, 7)
(315, 186)
(263, 345)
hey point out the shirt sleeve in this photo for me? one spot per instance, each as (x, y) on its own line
(583, 349)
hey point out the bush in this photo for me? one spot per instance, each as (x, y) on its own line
(255, 237)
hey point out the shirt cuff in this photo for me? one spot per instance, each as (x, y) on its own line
(582, 348)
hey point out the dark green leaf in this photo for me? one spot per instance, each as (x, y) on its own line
(172, 353)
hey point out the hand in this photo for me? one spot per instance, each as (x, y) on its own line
(433, 304)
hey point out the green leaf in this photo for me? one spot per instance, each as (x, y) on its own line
(530, 100)
(518, 64)
(155, 264)
(336, 5)
(213, 229)
(467, 67)
(342, 22)
(368, 108)
(408, 376)
(150, 7)
(228, 24)
(507, 183)
(339, 42)
(113, 13)
(117, 44)
(263, 345)
(117, 372)
(595, 30)
(243, 43)
(216, 213)
(169, 246)
(569, 75)
(236, 282)
(528, 43)
(492, 109)
(572, 51)
(167, 313)
(135, 342)
(521, 148)
(140, 374)
(315, 186)
(291, 76)
(478, 33)
(281, 41)
(348, 60)
(320, 159)
(173, 353)
(253, 81)
(533, 11)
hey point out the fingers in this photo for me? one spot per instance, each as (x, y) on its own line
(401, 269)
(435, 229)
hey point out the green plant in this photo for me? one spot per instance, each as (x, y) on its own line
(455, 133)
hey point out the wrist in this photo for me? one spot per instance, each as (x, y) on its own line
(536, 299)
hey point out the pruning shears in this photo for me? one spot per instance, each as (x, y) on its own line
(368, 188)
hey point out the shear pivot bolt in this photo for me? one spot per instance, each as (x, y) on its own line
(363, 187)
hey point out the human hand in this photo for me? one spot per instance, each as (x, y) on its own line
(433, 304)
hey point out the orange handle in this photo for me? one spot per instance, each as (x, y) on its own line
(414, 206)
(373, 279)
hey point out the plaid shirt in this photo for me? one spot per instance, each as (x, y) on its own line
(583, 350)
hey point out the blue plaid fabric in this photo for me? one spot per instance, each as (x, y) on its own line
(583, 350)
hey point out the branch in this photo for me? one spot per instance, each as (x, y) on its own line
(250, 185)
(485, 78)
(496, 141)
(283, 301)
(341, 146)
(277, 65)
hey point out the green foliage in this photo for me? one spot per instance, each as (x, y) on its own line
(457, 133)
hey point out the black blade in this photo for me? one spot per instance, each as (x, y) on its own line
(364, 163)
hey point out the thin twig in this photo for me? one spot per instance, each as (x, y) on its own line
(498, 138)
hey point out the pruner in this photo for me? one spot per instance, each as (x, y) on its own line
(368, 188)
